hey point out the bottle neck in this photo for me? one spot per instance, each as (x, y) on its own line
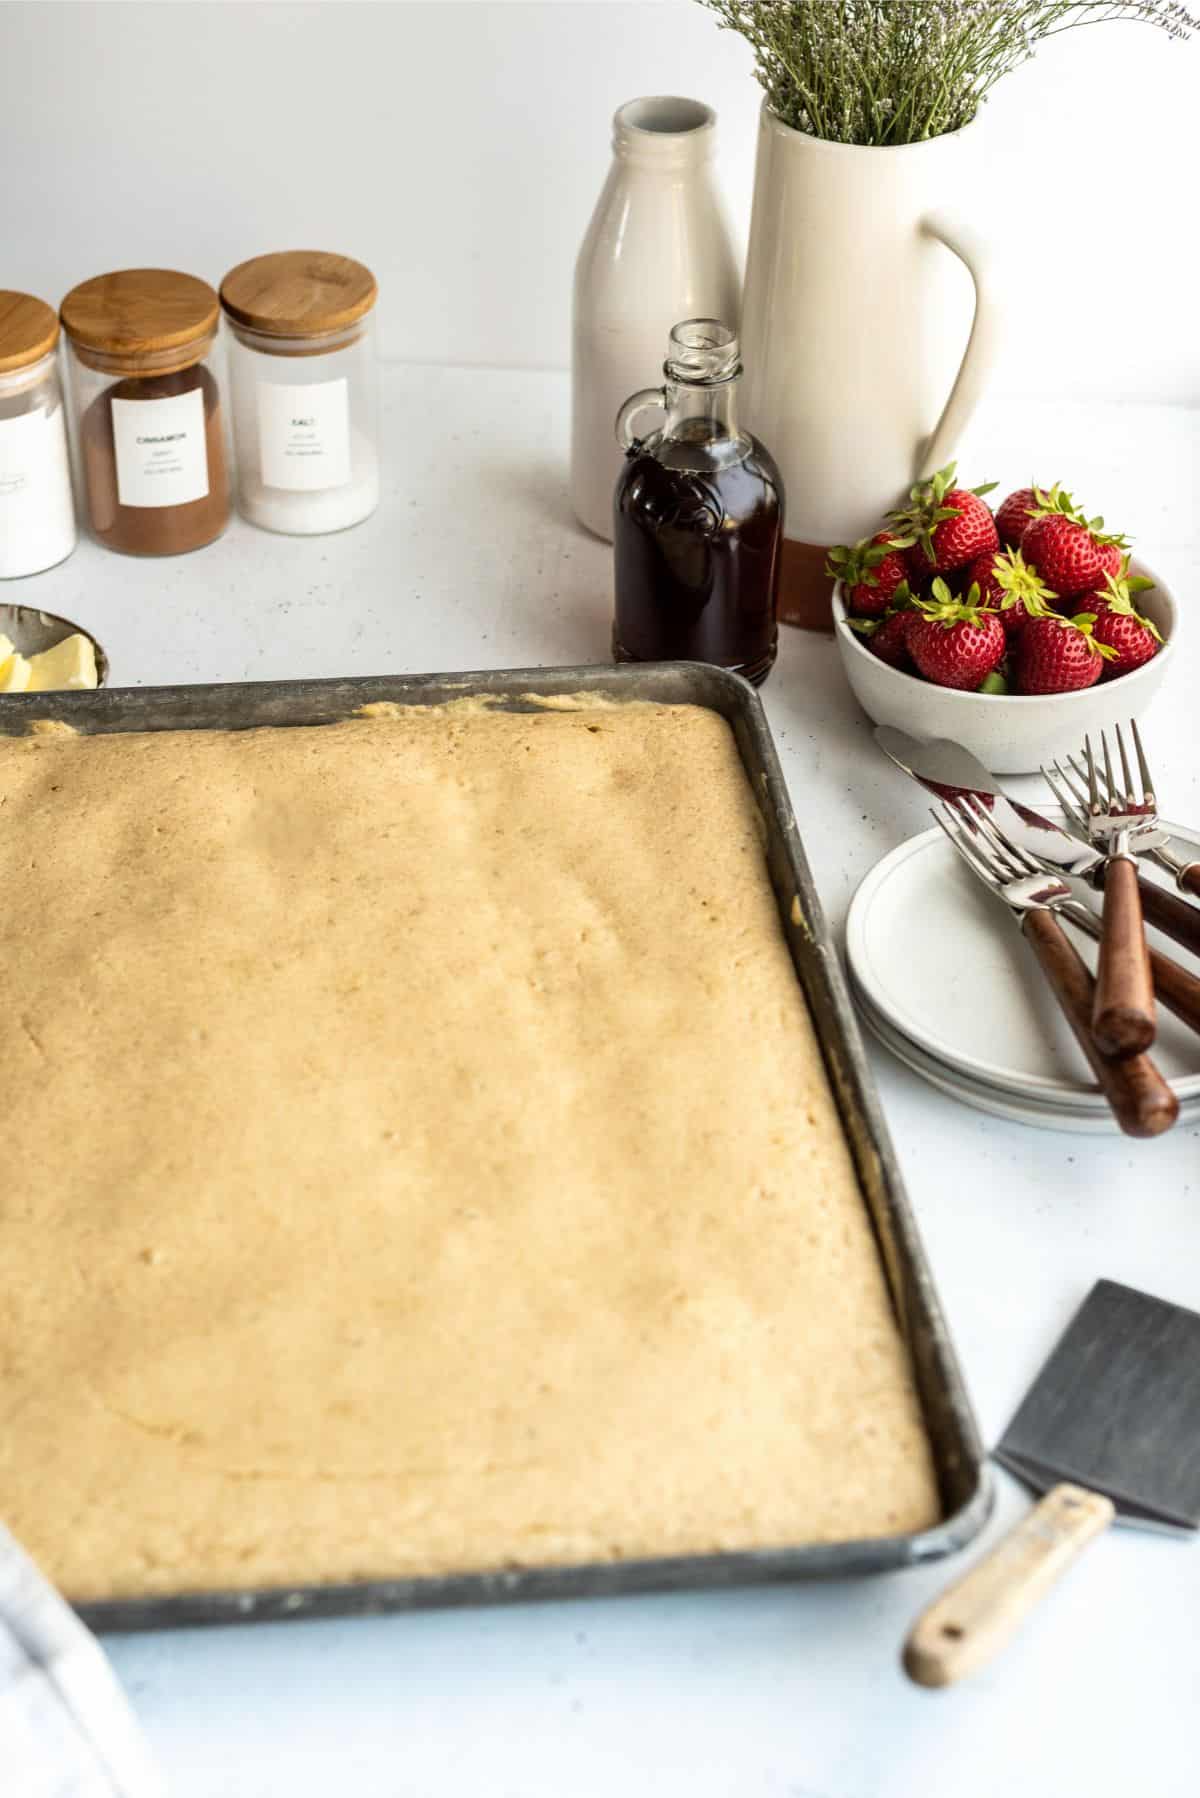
(665, 133)
(702, 411)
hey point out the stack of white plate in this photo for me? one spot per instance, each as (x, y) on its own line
(945, 980)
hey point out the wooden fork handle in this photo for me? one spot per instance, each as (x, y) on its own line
(1123, 1021)
(1174, 916)
(1177, 989)
(1142, 1102)
(1189, 880)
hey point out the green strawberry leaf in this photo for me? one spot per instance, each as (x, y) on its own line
(993, 683)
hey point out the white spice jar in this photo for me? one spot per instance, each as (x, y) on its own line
(37, 513)
(304, 387)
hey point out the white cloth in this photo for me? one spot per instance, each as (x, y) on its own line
(66, 1730)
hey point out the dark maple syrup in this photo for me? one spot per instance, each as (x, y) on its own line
(698, 519)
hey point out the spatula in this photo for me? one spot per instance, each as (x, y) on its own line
(1110, 1428)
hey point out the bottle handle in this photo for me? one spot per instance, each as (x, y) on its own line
(637, 402)
(979, 357)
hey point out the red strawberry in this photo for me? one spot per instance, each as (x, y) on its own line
(870, 572)
(887, 637)
(1014, 515)
(1135, 639)
(954, 643)
(1112, 557)
(1059, 655)
(1068, 550)
(889, 641)
(947, 526)
(1007, 583)
(981, 573)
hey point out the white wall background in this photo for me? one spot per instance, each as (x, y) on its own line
(458, 148)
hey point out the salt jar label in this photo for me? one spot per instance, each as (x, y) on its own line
(162, 456)
(37, 516)
(29, 447)
(304, 434)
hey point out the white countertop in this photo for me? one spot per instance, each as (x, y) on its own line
(473, 561)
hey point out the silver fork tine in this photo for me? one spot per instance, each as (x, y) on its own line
(1065, 796)
(1126, 771)
(1116, 801)
(1094, 806)
(1081, 776)
(1143, 768)
(1076, 781)
(952, 828)
(1018, 862)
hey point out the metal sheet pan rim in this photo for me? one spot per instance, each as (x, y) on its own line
(247, 705)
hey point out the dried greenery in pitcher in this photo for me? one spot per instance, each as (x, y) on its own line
(900, 71)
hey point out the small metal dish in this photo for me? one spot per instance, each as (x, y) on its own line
(31, 631)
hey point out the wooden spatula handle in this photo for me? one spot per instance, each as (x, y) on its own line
(1142, 1102)
(1123, 1020)
(1190, 879)
(968, 1624)
(1174, 916)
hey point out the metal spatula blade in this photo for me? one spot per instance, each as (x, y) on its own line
(1116, 1408)
(1109, 1429)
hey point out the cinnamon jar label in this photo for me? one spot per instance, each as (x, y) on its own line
(304, 434)
(161, 454)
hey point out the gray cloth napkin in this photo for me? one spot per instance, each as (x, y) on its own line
(66, 1730)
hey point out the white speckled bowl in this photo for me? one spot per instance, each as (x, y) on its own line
(1011, 733)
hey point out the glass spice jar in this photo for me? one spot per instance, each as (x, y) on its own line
(37, 512)
(146, 393)
(305, 390)
(697, 518)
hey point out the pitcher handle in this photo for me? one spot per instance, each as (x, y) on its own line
(979, 357)
(637, 402)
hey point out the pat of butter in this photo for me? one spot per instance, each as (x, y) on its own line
(71, 663)
(14, 674)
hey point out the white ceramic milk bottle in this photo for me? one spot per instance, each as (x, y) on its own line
(657, 251)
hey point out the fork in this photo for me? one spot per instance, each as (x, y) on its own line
(1165, 909)
(1174, 986)
(1141, 1101)
(1123, 1021)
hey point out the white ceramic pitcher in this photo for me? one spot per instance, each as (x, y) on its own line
(657, 251)
(853, 330)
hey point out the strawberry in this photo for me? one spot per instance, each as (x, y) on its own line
(1059, 655)
(1120, 626)
(886, 637)
(1008, 584)
(891, 640)
(870, 572)
(1112, 556)
(954, 642)
(1068, 550)
(947, 526)
(1015, 514)
(981, 573)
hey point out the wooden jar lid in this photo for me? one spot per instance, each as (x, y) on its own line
(298, 293)
(139, 312)
(28, 330)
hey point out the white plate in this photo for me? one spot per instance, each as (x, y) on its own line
(996, 1102)
(940, 961)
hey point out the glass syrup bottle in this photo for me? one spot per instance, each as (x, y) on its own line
(697, 518)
